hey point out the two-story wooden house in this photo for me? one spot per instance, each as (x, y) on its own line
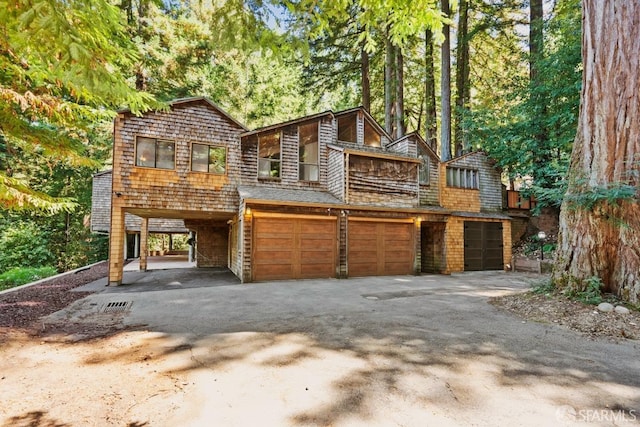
(326, 195)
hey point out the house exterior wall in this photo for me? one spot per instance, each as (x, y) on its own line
(178, 189)
(490, 195)
(369, 182)
(454, 242)
(381, 182)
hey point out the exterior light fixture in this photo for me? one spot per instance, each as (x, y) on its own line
(541, 236)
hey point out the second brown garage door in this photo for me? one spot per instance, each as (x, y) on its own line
(380, 248)
(294, 248)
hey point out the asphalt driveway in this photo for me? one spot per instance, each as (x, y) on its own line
(391, 351)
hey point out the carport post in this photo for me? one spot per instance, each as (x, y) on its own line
(116, 245)
(144, 234)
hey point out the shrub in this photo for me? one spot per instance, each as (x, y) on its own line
(20, 276)
(24, 245)
(590, 292)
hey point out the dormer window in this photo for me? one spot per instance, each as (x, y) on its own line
(348, 128)
(371, 136)
(308, 154)
(269, 155)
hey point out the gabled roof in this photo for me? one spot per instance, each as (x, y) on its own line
(420, 140)
(287, 123)
(196, 99)
(367, 117)
(471, 153)
(286, 195)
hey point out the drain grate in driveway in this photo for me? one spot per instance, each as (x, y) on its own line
(116, 306)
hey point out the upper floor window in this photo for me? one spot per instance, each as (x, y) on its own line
(423, 169)
(208, 158)
(463, 178)
(308, 152)
(348, 128)
(371, 136)
(155, 153)
(269, 155)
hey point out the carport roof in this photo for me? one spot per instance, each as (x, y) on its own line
(256, 193)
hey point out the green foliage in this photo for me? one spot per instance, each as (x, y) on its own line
(544, 287)
(588, 292)
(24, 245)
(60, 73)
(590, 196)
(22, 275)
(530, 130)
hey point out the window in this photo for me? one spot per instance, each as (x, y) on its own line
(371, 137)
(423, 169)
(348, 128)
(463, 178)
(207, 158)
(308, 154)
(155, 153)
(269, 155)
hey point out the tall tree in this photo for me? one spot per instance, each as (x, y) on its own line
(399, 89)
(463, 91)
(61, 70)
(431, 119)
(389, 86)
(445, 87)
(600, 217)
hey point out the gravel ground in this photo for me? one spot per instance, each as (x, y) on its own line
(21, 310)
(579, 317)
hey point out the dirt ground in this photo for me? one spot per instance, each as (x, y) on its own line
(134, 377)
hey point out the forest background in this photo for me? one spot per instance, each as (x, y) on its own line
(506, 81)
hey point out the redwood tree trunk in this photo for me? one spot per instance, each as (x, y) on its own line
(462, 77)
(431, 121)
(364, 72)
(445, 88)
(399, 92)
(604, 240)
(389, 87)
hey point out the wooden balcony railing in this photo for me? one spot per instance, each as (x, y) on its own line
(515, 200)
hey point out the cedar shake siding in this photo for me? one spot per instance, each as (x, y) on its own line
(266, 205)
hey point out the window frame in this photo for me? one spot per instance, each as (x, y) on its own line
(465, 178)
(209, 146)
(270, 160)
(368, 126)
(424, 178)
(300, 162)
(355, 124)
(155, 152)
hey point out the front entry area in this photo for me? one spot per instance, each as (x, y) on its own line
(294, 247)
(380, 248)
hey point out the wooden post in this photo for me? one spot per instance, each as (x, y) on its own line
(144, 246)
(116, 245)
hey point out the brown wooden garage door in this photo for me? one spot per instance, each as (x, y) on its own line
(294, 248)
(483, 246)
(380, 248)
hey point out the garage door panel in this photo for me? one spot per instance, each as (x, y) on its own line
(293, 248)
(380, 248)
(483, 246)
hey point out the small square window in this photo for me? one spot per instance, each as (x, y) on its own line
(207, 158)
(348, 128)
(155, 153)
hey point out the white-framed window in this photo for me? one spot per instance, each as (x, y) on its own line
(208, 158)
(308, 152)
(463, 178)
(269, 155)
(155, 153)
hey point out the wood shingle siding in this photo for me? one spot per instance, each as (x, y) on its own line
(367, 212)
